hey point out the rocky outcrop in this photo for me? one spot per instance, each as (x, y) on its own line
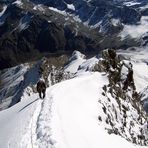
(129, 112)
(144, 39)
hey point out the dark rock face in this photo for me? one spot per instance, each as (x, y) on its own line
(95, 10)
(38, 37)
(51, 38)
(29, 33)
(121, 87)
(127, 15)
(145, 39)
(26, 36)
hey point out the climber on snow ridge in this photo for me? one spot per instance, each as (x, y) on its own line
(41, 88)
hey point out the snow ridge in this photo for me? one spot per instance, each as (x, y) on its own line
(84, 112)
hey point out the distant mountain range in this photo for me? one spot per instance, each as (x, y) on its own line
(35, 28)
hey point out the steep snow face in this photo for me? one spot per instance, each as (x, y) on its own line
(144, 98)
(14, 82)
(71, 7)
(77, 112)
(11, 82)
(57, 10)
(18, 2)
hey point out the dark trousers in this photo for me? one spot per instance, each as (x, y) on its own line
(42, 94)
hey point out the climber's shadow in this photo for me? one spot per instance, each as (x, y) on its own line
(28, 104)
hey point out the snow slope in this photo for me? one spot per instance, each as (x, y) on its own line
(75, 119)
(14, 122)
(14, 82)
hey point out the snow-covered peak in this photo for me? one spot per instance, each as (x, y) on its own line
(74, 62)
(76, 55)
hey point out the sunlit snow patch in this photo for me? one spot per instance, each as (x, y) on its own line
(132, 3)
(2, 16)
(18, 2)
(71, 6)
(39, 8)
(2, 12)
(58, 11)
(115, 22)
